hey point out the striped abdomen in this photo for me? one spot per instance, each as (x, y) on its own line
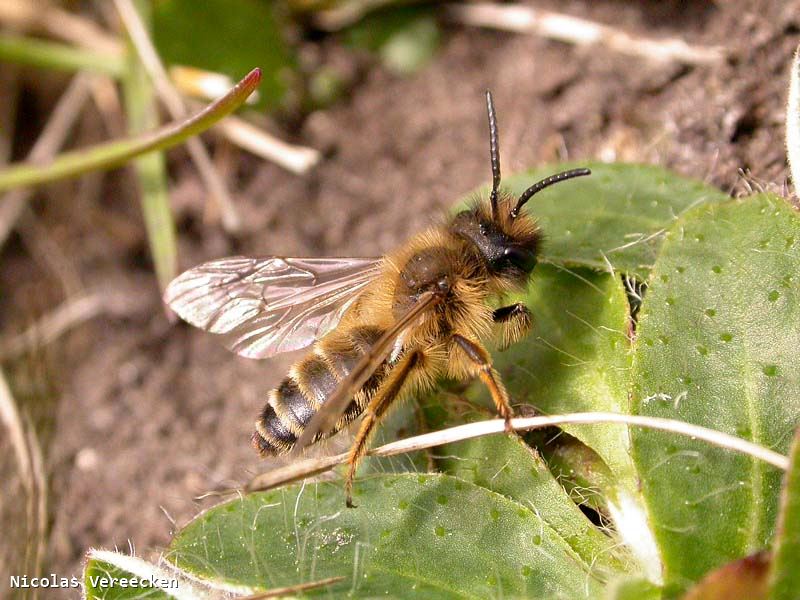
(310, 383)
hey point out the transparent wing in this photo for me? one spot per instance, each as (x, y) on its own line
(269, 305)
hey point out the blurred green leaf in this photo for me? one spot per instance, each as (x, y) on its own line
(717, 346)
(630, 588)
(229, 37)
(412, 536)
(404, 37)
(52, 55)
(785, 570)
(325, 87)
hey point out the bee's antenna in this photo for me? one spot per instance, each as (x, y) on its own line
(494, 152)
(546, 182)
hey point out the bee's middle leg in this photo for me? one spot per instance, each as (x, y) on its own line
(515, 321)
(481, 360)
(380, 402)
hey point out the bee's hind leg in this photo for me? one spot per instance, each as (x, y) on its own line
(482, 362)
(384, 397)
(515, 321)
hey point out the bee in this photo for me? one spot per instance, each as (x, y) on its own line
(380, 329)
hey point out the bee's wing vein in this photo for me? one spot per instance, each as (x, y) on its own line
(271, 304)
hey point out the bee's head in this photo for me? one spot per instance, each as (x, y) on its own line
(508, 247)
(506, 238)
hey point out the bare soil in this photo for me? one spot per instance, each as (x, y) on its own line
(149, 415)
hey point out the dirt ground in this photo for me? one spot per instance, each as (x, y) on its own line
(147, 415)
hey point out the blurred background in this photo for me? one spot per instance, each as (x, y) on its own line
(368, 124)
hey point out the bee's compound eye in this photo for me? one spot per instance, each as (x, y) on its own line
(521, 258)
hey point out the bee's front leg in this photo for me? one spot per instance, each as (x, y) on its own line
(515, 321)
(479, 357)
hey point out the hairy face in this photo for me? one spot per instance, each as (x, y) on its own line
(508, 245)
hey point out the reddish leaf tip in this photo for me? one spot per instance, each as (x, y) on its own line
(253, 77)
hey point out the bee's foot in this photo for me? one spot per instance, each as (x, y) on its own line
(508, 426)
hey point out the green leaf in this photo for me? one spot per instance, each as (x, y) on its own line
(115, 576)
(576, 358)
(717, 346)
(426, 536)
(632, 589)
(508, 466)
(226, 36)
(620, 213)
(103, 581)
(785, 571)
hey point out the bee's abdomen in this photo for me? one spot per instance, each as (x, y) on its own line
(310, 383)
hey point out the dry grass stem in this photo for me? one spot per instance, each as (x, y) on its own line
(793, 122)
(9, 97)
(292, 590)
(297, 159)
(346, 13)
(47, 145)
(581, 32)
(44, 248)
(105, 96)
(30, 463)
(307, 468)
(59, 24)
(15, 430)
(56, 323)
(178, 110)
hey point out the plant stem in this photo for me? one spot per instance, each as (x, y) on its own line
(52, 55)
(315, 466)
(151, 169)
(793, 122)
(135, 23)
(116, 153)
